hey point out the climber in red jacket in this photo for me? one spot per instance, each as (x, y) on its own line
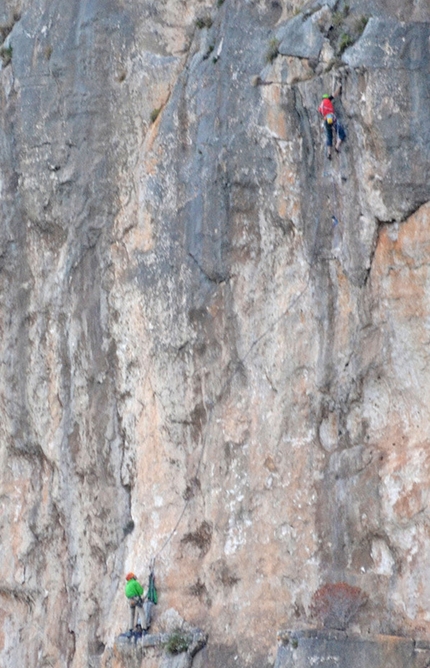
(326, 109)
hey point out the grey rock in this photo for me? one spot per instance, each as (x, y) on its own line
(337, 649)
(397, 59)
(134, 651)
(347, 463)
(392, 45)
(331, 4)
(193, 364)
(300, 37)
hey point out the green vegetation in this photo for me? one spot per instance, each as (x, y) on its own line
(220, 3)
(345, 41)
(360, 25)
(154, 114)
(204, 22)
(340, 15)
(177, 643)
(6, 54)
(337, 19)
(209, 51)
(346, 28)
(272, 51)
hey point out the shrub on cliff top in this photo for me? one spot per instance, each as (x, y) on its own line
(335, 604)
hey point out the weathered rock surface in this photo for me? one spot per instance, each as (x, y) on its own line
(310, 648)
(150, 650)
(197, 366)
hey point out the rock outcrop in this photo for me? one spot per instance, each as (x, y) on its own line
(309, 648)
(153, 650)
(198, 367)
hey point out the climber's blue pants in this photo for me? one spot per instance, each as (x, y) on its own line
(329, 132)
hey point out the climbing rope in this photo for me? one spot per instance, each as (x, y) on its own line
(239, 365)
(211, 407)
(334, 196)
(334, 218)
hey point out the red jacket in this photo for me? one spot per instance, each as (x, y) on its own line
(326, 107)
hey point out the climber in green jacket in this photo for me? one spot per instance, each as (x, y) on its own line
(134, 593)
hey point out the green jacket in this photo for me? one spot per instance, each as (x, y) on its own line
(133, 588)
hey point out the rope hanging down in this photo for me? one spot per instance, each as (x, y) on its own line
(238, 366)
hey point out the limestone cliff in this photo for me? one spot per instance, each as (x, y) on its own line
(198, 365)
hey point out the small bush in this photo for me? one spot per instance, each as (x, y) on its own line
(360, 25)
(340, 15)
(209, 51)
(177, 643)
(273, 50)
(335, 604)
(337, 19)
(201, 538)
(154, 114)
(220, 3)
(6, 54)
(344, 42)
(204, 22)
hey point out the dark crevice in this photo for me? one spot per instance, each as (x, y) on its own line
(386, 222)
(372, 252)
(305, 131)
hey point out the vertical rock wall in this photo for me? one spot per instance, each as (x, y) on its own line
(197, 366)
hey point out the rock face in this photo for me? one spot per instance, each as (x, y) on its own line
(153, 650)
(322, 648)
(198, 366)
